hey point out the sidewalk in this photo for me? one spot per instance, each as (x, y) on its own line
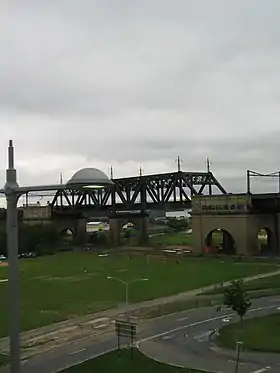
(51, 336)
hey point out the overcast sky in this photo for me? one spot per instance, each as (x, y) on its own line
(133, 83)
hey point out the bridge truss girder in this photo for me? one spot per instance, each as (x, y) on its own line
(141, 192)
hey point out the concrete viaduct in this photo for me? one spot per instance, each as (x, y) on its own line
(77, 223)
(239, 217)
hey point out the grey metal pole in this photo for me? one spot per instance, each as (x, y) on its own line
(248, 181)
(12, 246)
(237, 356)
(12, 249)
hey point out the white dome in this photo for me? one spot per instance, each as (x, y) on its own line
(89, 177)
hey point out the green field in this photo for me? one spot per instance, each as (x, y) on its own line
(123, 363)
(55, 288)
(258, 334)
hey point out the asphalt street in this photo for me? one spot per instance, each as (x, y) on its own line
(182, 339)
(191, 344)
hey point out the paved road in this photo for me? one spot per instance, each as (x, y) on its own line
(189, 344)
(182, 339)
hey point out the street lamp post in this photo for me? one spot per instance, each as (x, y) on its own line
(238, 348)
(11, 188)
(83, 179)
(126, 283)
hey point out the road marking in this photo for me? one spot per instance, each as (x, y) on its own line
(226, 320)
(261, 370)
(167, 337)
(183, 318)
(100, 319)
(76, 352)
(99, 326)
(180, 328)
(197, 323)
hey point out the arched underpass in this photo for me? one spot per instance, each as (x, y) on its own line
(220, 241)
(67, 235)
(265, 242)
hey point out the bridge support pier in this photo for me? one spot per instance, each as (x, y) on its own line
(232, 218)
(76, 225)
(140, 222)
(80, 232)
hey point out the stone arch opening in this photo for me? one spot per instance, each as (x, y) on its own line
(67, 235)
(128, 229)
(129, 232)
(265, 243)
(98, 232)
(220, 241)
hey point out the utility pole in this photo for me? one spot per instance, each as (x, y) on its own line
(61, 178)
(208, 164)
(179, 162)
(111, 171)
(208, 168)
(140, 171)
(61, 182)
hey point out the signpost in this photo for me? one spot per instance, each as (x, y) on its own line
(125, 329)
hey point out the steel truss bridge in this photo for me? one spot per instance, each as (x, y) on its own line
(168, 191)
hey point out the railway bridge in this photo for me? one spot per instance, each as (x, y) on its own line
(130, 200)
(239, 218)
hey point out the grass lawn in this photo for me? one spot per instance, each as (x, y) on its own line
(165, 239)
(172, 239)
(4, 359)
(182, 238)
(264, 283)
(258, 334)
(55, 288)
(272, 282)
(178, 306)
(124, 363)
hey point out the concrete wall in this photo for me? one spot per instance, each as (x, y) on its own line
(42, 215)
(36, 213)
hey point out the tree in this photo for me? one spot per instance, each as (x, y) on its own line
(237, 298)
(99, 238)
(38, 238)
(177, 225)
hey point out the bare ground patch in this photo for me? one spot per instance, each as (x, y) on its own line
(67, 279)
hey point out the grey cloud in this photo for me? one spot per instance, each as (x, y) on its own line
(139, 83)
